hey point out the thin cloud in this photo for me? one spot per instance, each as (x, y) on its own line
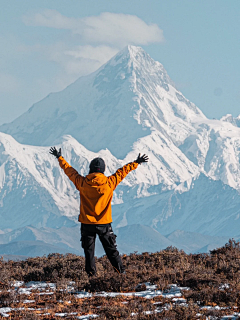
(107, 28)
(50, 18)
(92, 41)
(85, 59)
(76, 60)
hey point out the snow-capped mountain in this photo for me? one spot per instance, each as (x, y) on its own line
(129, 105)
(231, 119)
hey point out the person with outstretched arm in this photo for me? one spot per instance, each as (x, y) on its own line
(96, 192)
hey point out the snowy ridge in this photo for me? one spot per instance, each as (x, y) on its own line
(214, 147)
(231, 119)
(33, 177)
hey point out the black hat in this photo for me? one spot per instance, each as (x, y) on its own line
(97, 165)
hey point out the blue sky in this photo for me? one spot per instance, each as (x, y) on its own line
(46, 45)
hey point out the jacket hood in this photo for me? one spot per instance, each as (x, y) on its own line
(96, 179)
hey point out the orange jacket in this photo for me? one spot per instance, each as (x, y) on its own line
(96, 192)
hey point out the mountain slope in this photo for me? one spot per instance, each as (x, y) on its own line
(215, 148)
(192, 242)
(137, 237)
(200, 205)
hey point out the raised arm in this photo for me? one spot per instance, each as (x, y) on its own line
(121, 173)
(72, 174)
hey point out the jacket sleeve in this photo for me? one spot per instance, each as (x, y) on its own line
(121, 173)
(72, 174)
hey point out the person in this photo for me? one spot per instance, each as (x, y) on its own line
(96, 192)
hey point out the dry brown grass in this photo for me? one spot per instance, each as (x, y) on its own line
(213, 279)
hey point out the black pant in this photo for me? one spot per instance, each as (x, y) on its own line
(108, 240)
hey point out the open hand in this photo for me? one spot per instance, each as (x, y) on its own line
(55, 153)
(141, 159)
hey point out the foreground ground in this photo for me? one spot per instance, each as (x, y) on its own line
(165, 285)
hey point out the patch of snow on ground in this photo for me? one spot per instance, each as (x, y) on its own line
(173, 292)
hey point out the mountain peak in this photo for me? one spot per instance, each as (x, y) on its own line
(130, 49)
(136, 59)
(129, 52)
(136, 53)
